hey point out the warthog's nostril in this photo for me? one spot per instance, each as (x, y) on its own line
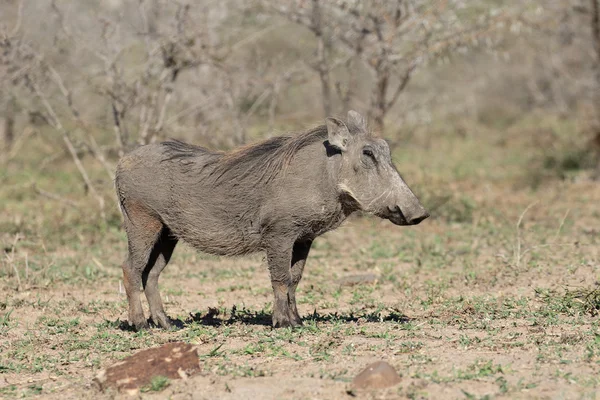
(396, 211)
(418, 219)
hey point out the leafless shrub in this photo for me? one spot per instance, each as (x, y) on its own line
(107, 76)
(391, 38)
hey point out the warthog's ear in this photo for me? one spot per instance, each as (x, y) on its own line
(357, 120)
(338, 134)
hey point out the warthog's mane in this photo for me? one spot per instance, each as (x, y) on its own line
(260, 161)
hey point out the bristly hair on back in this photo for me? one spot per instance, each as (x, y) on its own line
(268, 158)
(262, 161)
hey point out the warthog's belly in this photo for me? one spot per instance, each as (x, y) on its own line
(227, 242)
(220, 239)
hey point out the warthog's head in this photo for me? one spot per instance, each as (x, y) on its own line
(367, 175)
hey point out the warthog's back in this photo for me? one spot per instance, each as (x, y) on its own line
(175, 182)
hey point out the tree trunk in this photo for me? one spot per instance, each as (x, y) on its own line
(352, 64)
(7, 124)
(322, 57)
(6, 132)
(379, 107)
(324, 77)
(596, 39)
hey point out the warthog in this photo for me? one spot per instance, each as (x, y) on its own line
(275, 196)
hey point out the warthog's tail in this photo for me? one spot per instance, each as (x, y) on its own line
(120, 197)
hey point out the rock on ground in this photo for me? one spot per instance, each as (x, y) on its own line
(172, 360)
(378, 375)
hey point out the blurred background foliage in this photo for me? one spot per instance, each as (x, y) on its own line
(506, 89)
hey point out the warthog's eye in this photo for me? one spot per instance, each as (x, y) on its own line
(369, 153)
(368, 158)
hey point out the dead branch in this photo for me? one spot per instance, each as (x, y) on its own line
(56, 124)
(19, 21)
(312, 19)
(54, 196)
(596, 27)
(402, 85)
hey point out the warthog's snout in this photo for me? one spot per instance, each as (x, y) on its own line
(408, 215)
(416, 218)
(420, 218)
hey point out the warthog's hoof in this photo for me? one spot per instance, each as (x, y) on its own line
(286, 321)
(287, 324)
(141, 325)
(282, 324)
(162, 321)
(295, 319)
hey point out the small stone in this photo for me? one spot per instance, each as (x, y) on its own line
(172, 360)
(352, 280)
(378, 375)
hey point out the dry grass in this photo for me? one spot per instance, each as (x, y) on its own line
(496, 296)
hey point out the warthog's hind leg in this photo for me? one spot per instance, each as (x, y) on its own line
(161, 254)
(131, 281)
(143, 231)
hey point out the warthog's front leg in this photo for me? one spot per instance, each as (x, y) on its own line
(279, 260)
(299, 255)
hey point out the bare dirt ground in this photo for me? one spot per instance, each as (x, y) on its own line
(469, 304)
